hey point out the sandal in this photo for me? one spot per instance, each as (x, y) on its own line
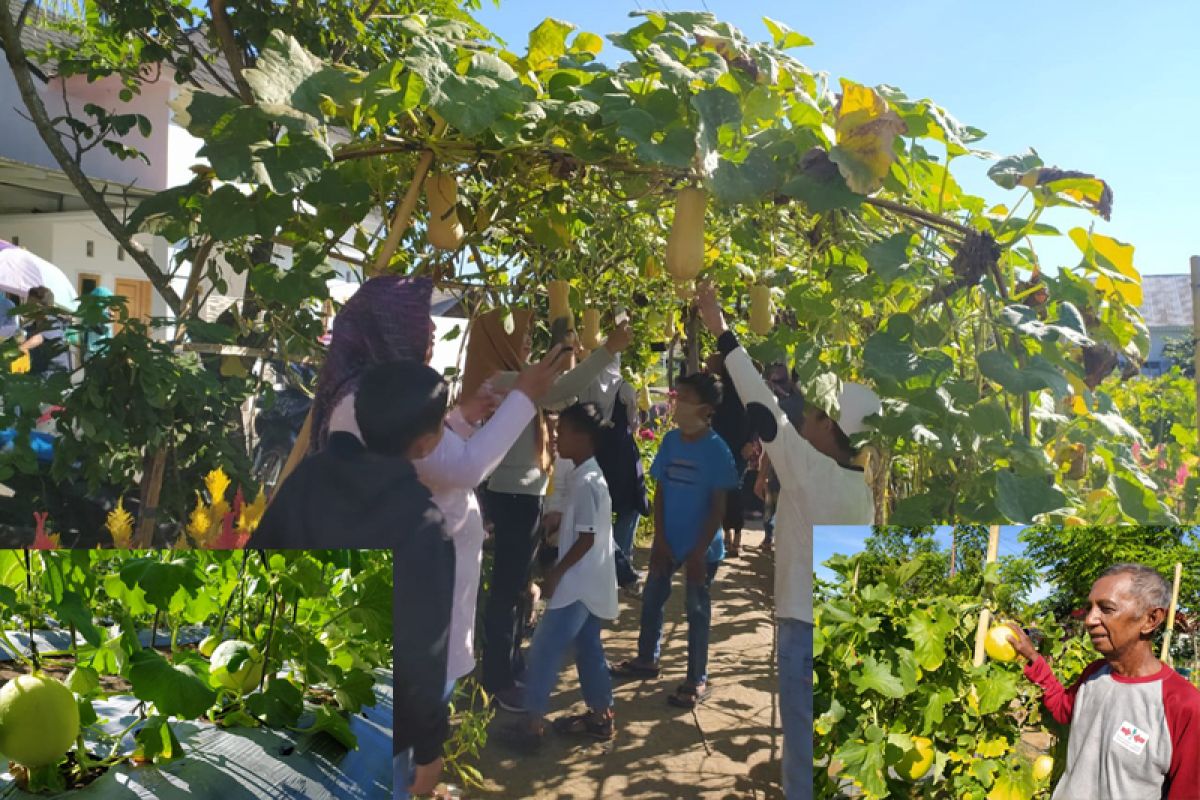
(632, 669)
(517, 736)
(686, 695)
(584, 725)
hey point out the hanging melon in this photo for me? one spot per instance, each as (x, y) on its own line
(441, 196)
(760, 309)
(560, 300)
(685, 245)
(591, 328)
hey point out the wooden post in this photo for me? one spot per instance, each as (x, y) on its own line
(1196, 332)
(152, 481)
(985, 615)
(1165, 655)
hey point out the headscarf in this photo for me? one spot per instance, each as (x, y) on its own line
(491, 349)
(386, 320)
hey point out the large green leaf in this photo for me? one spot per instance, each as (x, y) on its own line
(289, 79)
(927, 629)
(876, 676)
(889, 257)
(160, 581)
(1036, 374)
(1008, 172)
(1020, 498)
(280, 705)
(175, 689)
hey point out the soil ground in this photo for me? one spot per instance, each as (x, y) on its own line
(730, 747)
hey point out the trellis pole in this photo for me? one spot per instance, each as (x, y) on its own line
(400, 223)
(985, 614)
(1196, 334)
(1165, 655)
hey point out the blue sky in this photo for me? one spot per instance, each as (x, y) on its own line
(829, 540)
(1107, 88)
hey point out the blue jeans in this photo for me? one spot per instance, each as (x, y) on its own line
(624, 528)
(769, 510)
(698, 606)
(796, 706)
(560, 631)
(402, 763)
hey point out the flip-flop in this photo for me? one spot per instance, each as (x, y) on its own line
(686, 696)
(631, 669)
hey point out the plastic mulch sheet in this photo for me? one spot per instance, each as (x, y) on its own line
(220, 764)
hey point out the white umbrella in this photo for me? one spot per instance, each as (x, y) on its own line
(21, 270)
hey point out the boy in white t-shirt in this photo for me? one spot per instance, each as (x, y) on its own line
(581, 590)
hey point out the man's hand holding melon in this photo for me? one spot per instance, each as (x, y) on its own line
(1007, 640)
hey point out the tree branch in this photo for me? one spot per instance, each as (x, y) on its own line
(230, 49)
(15, 52)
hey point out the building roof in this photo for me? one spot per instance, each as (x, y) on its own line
(35, 36)
(1167, 301)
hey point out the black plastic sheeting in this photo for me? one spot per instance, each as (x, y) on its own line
(220, 764)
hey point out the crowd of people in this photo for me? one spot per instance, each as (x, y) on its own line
(545, 453)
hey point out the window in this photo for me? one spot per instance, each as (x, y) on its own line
(87, 282)
(120, 253)
(91, 249)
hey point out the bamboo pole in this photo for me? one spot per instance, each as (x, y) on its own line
(404, 211)
(985, 614)
(400, 223)
(1165, 655)
(299, 450)
(1196, 334)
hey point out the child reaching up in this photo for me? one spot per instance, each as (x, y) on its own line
(582, 592)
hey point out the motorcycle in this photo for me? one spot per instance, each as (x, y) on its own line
(278, 424)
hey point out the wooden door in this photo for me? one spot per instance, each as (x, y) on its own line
(137, 296)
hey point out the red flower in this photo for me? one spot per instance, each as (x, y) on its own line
(646, 435)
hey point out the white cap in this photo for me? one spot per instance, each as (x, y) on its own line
(856, 403)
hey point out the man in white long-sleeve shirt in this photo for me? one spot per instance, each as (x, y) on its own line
(821, 483)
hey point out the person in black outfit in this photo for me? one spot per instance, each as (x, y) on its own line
(619, 460)
(729, 422)
(352, 496)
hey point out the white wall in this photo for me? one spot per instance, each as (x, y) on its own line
(62, 240)
(22, 142)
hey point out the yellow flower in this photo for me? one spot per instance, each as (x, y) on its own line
(217, 483)
(252, 513)
(199, 522)
(120, 526)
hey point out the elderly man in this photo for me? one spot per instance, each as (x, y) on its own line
(1135, 722)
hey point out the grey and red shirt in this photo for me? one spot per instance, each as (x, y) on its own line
(1131, 738)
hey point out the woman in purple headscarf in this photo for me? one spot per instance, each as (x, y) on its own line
(388, 320)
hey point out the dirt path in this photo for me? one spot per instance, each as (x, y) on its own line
(660, 751)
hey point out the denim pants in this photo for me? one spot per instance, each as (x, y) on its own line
(515, 518)
(796, 706)
(561, 630)
(624, 528)
(698, 606)
(402, 763)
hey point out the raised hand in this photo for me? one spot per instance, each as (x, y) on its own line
(481, 405)
(619, 339)
(710, 308)
(536, 379)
